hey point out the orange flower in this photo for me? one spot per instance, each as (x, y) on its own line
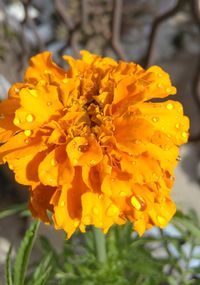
(91, 145)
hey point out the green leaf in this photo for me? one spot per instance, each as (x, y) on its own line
(23, 254)
(189, 226)
(42, 271)
(13, 210)
(8, 270)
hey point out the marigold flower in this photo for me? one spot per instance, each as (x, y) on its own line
(91, 145)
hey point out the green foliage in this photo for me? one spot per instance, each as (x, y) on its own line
(17, 277)
(8, 270)
(158, 258)
(14, 209)
(23, 254)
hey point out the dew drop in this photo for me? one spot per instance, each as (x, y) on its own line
(53, 162)
(160, 85)
(33, 92)
(122, 194)
(62, 204)
(168, 90)
(75, 161)
(161, 220)
(155, 176)
(95, 210)
(16, 121)
(155, 119)
(27, 133)
(100, 197)
(178, 158)
(49, 103)
(11, 166)
(170, 106)
(76, 223)
(86, 220)
(184, 135)
(177, 125)
(112, 179)
(16, 90)
(65, 80)
(83, 148)
(29, 118)
(27, 141)
(136, 203)
(159, 75)
(112, 211)
(93, 162)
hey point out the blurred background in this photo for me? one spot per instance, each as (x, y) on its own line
(148, 32)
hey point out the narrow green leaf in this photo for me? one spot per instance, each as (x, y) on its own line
(42, 271)
(13, 210)
(23, 254)
(8, 270)
(189, 226)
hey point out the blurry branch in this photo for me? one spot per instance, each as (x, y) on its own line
(156, 24)
(116, 28)
(72, 28)
(84, 14)
(195, 7)
(196, 96)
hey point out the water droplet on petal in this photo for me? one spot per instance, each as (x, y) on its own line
(11, 166)
(184, 135)
(16, 90)
(76, 223)
(161, 220)
(170, 106)
(16, 121)
(178, 158)
(65, 80)
(122, 194)
(29, 118)
(159, 74)
(95, 210)
(155, 176)
(27, 133)
(100, 196)
(87, 220)
(53, 162)
(33, 92)
(92, 162)
(27, 141)
(112, 179)
(168, 90)
(177, 125)
(136, 203)
(160, 85)
(83, 148)
(155, 119)
(49, 103)
(62, 204)
(112, 211)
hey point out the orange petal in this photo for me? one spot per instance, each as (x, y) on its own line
(42, 67)
(39, 202)
(56, 168)
(83, 151)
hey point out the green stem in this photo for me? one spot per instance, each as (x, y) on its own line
(100, 244)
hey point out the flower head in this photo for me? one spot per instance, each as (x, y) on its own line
(90, 143)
